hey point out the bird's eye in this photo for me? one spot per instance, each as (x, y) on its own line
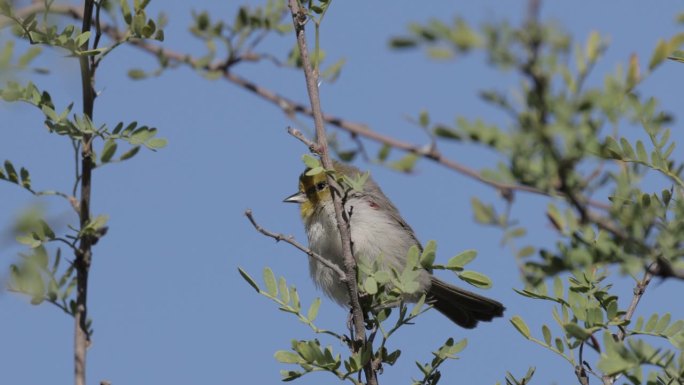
(321, 185)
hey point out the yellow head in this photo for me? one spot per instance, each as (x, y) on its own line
(314, 190)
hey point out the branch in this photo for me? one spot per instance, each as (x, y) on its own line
(299, 19)
(84, 252)
(290, 106)
(289, 239)
(639, 291)
(313, 146)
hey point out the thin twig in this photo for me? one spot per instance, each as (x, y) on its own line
(290, 239)
(313, 146)
(639, 291)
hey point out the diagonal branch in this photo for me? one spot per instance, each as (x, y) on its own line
(289, 239)
(639, 291)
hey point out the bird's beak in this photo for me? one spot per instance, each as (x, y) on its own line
(297, 197)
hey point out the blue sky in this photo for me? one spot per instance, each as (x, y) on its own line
(167, 302)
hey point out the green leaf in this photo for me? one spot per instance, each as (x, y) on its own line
(384, 152)
(156, 143)
(446, 133)
(613, 149)
(108, 151)
(659, 54)
(458, 347)
(310, 161)
(675, 328)
(424, 119)
(287, 357)
(45, 228)
(440, 53)
(429, 254)
(290, 375)
(370, 285)
(476, 279)
(296, 304)
(137, 74)
(668, 150)
(483, 214)
(130, 153)
(516, 232)
(25, 178)
(593, 46)
(555, 218)
(29, 240)
(392, 357)
(521, 326)
(418, 306)
(651, 323)
(646, 200)
(576, 331)
(313, 310)
(98, 222)
(558, 287)
(40, 257)
(270, 281)
(663, 322)
(627, 149)
(27, 57)
(11, 172)
(546, 332)
(412, 257)
(406, 163)
(382, 276)
(5, 8)
(402, 42)
(559, 345)
(663, 139)
(126, 12)
(249, 279)
(82, 39)
(642, 156)
(526, 252)
(284, 292)
(315, 171)
(666, 196)
(462, 259)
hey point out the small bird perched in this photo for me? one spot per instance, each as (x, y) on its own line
(377, 231)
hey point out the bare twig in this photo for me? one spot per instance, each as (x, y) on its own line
(299, 19)
(290, 239)
(313, 146)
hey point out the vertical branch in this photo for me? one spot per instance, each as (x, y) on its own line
(84, 252)
(299, 19)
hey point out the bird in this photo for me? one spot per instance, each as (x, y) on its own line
(377, 231)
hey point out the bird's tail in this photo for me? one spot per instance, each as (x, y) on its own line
(461, 306)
